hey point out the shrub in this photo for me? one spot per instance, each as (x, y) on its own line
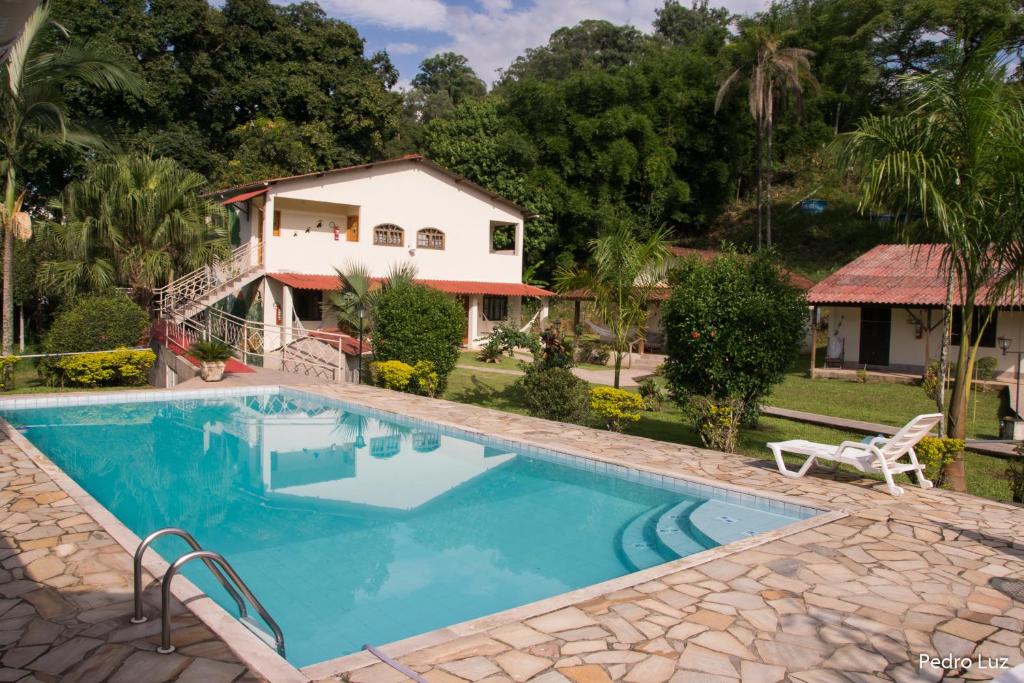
(717, 422)
(505, 339)
(97, 323)
(212, 351)
(935, 453)
(733, 327)
(652, 393)
(7, 365)
(391, 374)
(555, 394)
(931, 382)
(555, 351)
(413, 323)
(862, 375)
(124, 367)
(615, 406)
(1015, 475)
(420, 378)
(985, 368)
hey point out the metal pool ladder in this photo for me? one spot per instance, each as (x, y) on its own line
(221, 570)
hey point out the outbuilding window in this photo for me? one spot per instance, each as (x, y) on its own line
(430, 238)
(388, 235)
(495, 307)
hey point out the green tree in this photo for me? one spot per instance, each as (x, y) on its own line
(33, 117)
(623, 271)
(957, 157)
(451, 74)
(132, 222)
(698, 26)
(771, 73)
(413, 323)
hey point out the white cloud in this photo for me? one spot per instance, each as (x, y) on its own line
(394, 14)
(402, 48)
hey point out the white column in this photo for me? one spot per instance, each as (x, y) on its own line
(473, 320)
(267, 227)
(515, 310)
(287, 312)
(542, 320)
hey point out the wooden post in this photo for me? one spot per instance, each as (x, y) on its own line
(814, 340)
(576, 316)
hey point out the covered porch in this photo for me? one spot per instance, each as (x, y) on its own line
(295, 302)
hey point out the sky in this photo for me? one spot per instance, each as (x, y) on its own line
(490, 33)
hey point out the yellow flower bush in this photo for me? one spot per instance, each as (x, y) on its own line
(124, 367)
(7, 364)
(615, 406)
(421, 378)
(935, 453)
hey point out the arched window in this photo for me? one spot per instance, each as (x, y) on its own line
(388, 235)
(430, 238)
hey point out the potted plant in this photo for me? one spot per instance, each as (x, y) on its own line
(212, 356)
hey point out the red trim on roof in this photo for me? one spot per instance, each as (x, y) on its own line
(325, 282)
(244, 196)
(897, 275)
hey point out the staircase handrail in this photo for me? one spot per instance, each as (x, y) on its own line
(194, 285)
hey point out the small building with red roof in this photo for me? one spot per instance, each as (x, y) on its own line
(886, 311)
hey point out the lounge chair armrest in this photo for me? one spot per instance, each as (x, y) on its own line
(853, 445)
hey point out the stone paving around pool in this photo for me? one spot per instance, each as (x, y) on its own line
(66, 595)
(855, 599)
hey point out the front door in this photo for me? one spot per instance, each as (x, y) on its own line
(875, 329)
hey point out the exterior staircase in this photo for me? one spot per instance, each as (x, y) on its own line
(187, 313)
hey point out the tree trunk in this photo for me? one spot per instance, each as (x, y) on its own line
(618, 367)
(757, 172)
(768, 188)
(947, 326)
(7, 324)
(956, 471)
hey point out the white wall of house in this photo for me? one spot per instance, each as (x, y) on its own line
(411, 196)
(907, 351)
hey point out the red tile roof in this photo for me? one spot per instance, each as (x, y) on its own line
(244, 196)
(305, 281)
(895, 274)
(263, 184)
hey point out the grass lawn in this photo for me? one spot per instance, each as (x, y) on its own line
(492, 390)
(891, 404)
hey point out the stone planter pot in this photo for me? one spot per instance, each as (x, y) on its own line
(211, 370)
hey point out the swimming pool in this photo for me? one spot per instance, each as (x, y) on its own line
(356, 526)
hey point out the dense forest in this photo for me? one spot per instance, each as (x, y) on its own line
(604, 125)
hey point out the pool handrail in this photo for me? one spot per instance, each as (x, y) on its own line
(209, 556)
(139, 616)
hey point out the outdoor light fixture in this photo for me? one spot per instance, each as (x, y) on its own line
(1004, 344)
(360, 313)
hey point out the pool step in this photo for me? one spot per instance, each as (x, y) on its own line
(723, 522)
(639, 547)
(673, 529)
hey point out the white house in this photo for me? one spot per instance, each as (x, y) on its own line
(886, 312)
(461, 238)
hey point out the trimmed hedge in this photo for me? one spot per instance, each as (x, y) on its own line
(97, 323)
(124, 367)
(555, 394)
(413, 323)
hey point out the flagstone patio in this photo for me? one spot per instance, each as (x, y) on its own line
(857, 598)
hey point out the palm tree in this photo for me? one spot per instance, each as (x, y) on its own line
(132, 222)
(33, 115)
(622, 273)
(957, 157)
(354, 292)
(771, 73)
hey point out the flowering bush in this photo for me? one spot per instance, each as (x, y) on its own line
(7, 364)
(420, 378)
(615, 406)
(935, 453)
(717, 422)
(124, 367)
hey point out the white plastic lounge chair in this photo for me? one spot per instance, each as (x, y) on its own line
(877, 455)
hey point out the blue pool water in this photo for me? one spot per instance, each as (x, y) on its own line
(354, 529)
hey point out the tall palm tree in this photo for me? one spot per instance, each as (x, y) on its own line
(772, 73)
(33, 114)
(132, 222)
(621, 275)
(957, 157)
